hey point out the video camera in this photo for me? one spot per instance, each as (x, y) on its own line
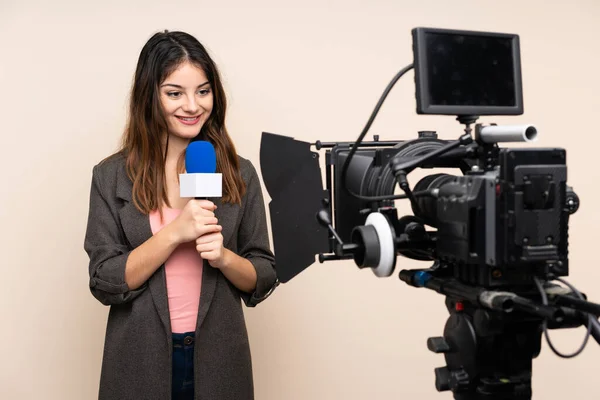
(496, 234)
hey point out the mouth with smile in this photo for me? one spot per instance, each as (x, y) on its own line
(189, 120)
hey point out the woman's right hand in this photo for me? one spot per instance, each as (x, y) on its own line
(196, 219)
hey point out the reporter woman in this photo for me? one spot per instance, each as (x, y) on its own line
(175, 271)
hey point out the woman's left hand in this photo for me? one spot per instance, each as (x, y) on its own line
(210, 248)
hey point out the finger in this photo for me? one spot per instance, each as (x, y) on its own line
(209, 237)
(201, 223)
(206, 247)
(204, 229)
(199, 212)
(202, 213)
(208, 220)
(208, 255)
(211, 255)
(205, 204)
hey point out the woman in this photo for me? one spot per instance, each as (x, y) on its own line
(173, 270)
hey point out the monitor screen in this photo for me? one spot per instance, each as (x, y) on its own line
(467, 73)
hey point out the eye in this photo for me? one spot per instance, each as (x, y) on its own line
(203, 92)
(173, 94)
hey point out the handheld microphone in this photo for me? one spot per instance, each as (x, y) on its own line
(200, 180)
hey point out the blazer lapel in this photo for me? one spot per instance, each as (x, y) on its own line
(210, 276)
(209, 284)
(136, 227)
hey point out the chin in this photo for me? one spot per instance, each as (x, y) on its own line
(187, 134)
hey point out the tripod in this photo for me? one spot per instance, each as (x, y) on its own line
(488, 353)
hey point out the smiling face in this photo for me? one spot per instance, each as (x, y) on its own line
(187, 100)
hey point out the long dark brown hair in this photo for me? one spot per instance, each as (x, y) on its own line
(147, 125)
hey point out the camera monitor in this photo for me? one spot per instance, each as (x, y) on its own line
(467, 73)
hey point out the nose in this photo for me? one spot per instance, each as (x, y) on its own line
(191, 105)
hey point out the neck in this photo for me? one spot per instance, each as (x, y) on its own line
(177, 146)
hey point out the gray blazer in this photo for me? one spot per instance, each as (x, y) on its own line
(137, 361)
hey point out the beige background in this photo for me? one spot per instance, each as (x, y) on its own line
(312, 70)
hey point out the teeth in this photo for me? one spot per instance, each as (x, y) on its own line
(188, 119)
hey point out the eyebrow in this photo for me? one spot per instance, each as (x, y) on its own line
(181, 87)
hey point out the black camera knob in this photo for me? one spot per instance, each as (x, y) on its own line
(438, 345)
(571, 201)
(442, 379)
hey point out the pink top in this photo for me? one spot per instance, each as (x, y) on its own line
(184, 277)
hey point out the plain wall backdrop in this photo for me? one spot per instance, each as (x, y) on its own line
(312, 70)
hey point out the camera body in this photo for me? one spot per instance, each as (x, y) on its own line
(501, 227)
(497, 225)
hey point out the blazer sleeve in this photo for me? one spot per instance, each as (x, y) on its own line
(253, 241)
(107, 249)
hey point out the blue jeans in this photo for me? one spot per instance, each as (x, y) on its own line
(183, 366)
